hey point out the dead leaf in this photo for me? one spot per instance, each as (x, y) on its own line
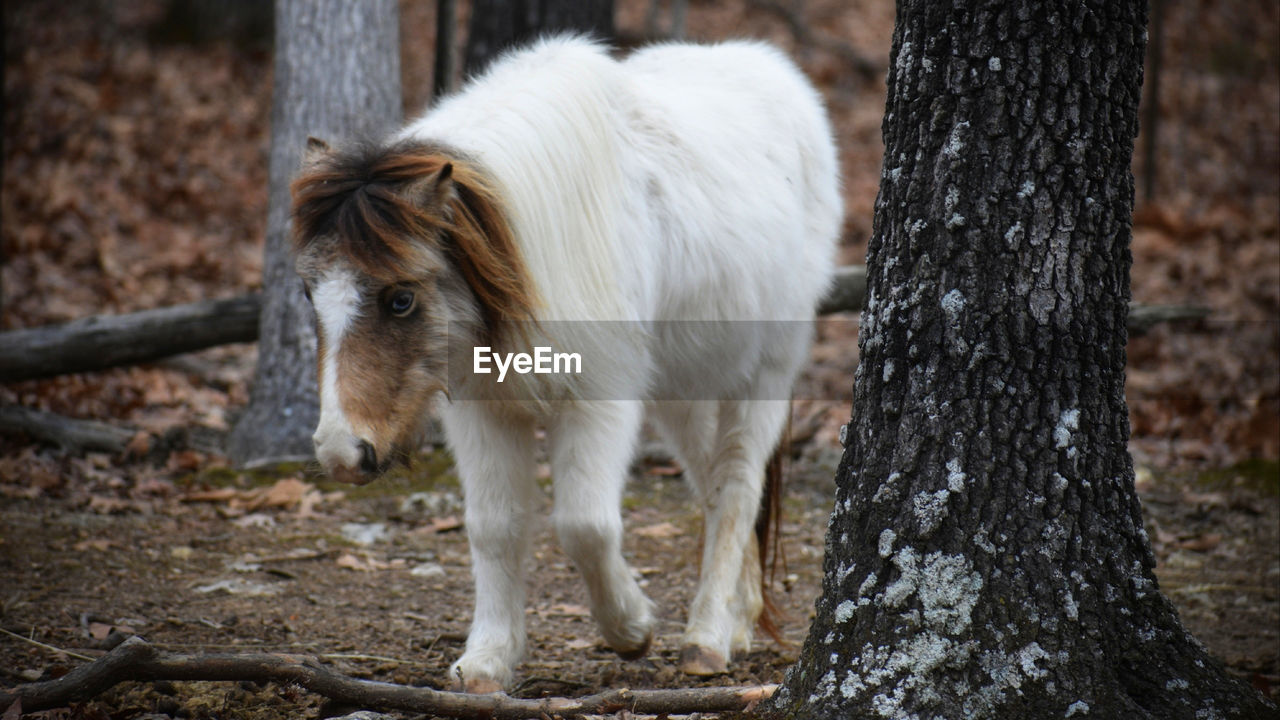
(99, 544)
(184, 461)
(311, 499)
(1203, 543)
(361, 564)
(215, 495)
(105, 505)
(100, 630)
(284, 494)
(240, 586)
(569, 610)
(661, 530)
(446, 524)
(139, 445)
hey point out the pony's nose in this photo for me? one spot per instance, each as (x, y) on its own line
(368, 458)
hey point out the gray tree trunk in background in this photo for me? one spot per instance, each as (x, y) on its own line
(986, 556)
(337, 76)
(496, 25)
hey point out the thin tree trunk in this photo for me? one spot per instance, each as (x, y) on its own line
(337, 76)
(986, 556)
(499, 24)
(446, 52)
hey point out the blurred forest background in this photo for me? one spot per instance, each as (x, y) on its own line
(135, 170)
(135, 145)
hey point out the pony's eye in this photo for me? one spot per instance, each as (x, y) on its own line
(401, 303)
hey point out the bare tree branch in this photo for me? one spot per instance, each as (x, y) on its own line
(69, 433)
(136, 660)
(104, 341)
(100, 342)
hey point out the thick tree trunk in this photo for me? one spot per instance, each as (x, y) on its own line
(496, 25)
(337, 76)
(986, 557)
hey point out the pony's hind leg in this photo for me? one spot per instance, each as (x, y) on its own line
(729, 600)
(689, 428)
(591, 445)
(496, 464)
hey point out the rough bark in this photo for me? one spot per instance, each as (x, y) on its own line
(496, 25)
(986, 556)
(337, 76)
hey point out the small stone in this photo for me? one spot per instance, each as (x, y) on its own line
(428, 570)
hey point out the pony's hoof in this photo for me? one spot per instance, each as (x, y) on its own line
(477, 686)
(696, 660)
(638, 652)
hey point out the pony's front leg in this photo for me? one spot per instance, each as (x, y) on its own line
(495, 461)
(591, 445)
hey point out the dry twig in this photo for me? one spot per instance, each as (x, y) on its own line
(136, 660)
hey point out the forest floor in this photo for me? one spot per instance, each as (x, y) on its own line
(135, 175)
(376, 581)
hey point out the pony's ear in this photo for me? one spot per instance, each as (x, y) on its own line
(434, 191)
(315, 151)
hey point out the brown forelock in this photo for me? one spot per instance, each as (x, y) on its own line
(359, 196)
(484, 248)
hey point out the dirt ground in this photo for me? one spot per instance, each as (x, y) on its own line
(135, 175)
(376, 582)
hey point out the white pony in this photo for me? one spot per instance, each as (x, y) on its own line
(684, 183)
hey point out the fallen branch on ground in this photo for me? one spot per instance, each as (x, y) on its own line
(136, 660)
(69, 433)
(104, 341)
(1144, 317)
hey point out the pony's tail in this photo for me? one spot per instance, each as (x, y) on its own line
(768, 533)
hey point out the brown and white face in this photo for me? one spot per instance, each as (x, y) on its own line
(381, 348)
(386, 249)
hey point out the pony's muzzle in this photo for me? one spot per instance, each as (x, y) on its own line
(368, 458)
(352, 461)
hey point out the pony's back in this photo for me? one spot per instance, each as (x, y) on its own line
(543, 121)
(686, 182)
(739, 144)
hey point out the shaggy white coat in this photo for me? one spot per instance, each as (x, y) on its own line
(683, 183)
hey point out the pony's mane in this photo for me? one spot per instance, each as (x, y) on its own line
(369, 199)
